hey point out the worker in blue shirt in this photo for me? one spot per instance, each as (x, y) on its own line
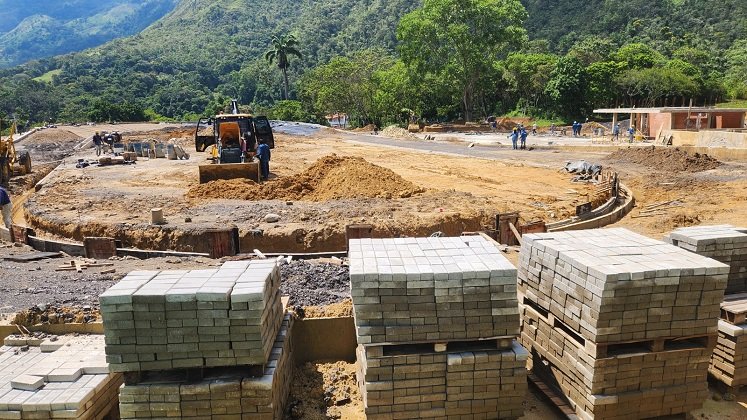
(263, 154)
(631, 134)
(616, 132)
(514, 136)
(5, 207)
(523, 138)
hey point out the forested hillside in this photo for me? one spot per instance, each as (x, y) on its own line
(44, 28)
(574, 55)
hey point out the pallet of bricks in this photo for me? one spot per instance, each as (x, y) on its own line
(621, 324)
(200, 344)
(727, 244)
(436, 321)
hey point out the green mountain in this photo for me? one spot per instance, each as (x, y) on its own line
(44, 28)
(202, 52)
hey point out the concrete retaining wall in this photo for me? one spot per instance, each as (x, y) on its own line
(599, 221)
(708, 139)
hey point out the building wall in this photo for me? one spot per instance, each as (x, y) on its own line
(658, 122)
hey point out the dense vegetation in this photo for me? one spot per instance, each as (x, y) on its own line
(44, 28)
(384, 61)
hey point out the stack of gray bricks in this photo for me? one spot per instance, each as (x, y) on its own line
(199, 318)
(623, 324)
(436, 320)
(220, 394)
(727, 244)
(724, 243)
(176, 324)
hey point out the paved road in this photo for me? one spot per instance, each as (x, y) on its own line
(541, 156)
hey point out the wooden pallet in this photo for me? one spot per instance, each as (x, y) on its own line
(191, 375)
(421, 347)
(81, 264)
(734, 308)
(618, 348)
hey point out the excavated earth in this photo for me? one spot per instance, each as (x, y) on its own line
(318, 186)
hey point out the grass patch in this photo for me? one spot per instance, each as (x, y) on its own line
(733, 103)
(47, 77)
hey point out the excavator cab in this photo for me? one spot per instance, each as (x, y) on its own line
(235, 138)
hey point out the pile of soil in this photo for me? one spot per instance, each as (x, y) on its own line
(314, 284)
(52, 136)
(342, 309)
(52, 314)
(397, 132)
(665, 159)
(365, 129)
(321, 391)
(330, 178)
(50, 145)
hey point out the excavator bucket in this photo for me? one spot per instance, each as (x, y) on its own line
(217, 171)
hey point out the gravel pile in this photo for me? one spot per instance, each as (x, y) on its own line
(314, 284)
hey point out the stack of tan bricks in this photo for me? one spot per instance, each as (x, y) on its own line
(622, 324)
(436, 320)
(727, 244)
(200, 344)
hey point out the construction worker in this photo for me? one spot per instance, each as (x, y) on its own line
(523, 135)
(552, 129)
(263, 154)
(6, 207)
(574, 127)
(631, 134)
(97, 141)
(616, 132)
(514, 136)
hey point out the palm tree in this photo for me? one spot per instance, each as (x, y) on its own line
(282, 48)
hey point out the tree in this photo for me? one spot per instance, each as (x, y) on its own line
(461, 40)
(282, 49)
(567, 87)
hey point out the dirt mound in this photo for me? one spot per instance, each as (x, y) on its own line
(330, 178)
(665, 159)
(397, 132)
(365, 129)
(52, 136)
(321, 391)
(335, 310)
(51, 314)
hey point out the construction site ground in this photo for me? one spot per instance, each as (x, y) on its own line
(462, 182)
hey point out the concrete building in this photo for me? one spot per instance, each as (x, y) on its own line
(687, 126)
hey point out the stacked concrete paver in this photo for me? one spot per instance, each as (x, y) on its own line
(622, 324)
(162, 325)
(66, 379)
(724, 243)
(435, 321)
(727, 244)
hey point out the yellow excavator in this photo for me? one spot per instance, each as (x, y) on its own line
(12, 162)
(234, 138)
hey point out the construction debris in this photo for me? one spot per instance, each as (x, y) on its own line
(82, 264)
